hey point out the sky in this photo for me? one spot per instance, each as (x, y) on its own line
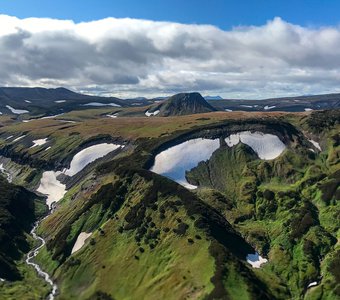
(236, 49)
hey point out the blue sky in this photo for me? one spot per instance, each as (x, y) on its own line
(222, 13)
(283, 48)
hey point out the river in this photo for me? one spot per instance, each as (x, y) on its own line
(33, 253)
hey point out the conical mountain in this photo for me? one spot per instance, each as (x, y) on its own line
(183, 104)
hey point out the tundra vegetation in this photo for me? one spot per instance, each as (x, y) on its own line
(152, 238)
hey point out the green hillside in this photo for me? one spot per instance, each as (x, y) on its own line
(152, 238)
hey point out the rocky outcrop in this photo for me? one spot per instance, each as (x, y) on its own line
(183, 104)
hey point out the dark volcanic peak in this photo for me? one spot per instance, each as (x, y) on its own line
(184, 104)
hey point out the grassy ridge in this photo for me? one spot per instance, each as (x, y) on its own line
(152, 238)
(19, 209)
(288, 209)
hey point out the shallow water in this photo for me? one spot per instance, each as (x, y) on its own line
(55, 191)
(29, 260)
(8, 175)
(174, 161)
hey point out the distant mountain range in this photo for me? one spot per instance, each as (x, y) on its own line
(289, 104)
(213, 98)
(41, 101)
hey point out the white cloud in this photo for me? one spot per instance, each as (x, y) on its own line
(140, 57)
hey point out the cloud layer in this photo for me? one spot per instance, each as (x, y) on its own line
(140, 57)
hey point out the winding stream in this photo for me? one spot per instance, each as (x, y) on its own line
(33, 253)
(55, 191)
(6, 173)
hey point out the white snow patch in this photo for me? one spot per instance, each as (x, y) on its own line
(269, 107)
(27, 101)
(266, 146)
(316, 145)
(39, 142)
(0, 113)
(314, 283)
(48, 148)
(256, 260)
(51, 187)
(227, 109)
(113, 116)
(101, 104)
(2, 280)
(60, 101)
(50, 117)
(88, 155)
(174, 161)
(248, 106)
(25, 121)
(19, 138)
(232, 140)
(308, 109)
(9, 137)
(149, 114)
(66, 121)
(81, 239)
(17, 111)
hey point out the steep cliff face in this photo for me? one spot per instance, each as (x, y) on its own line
(283, 208)
(149, 237)
(19, 209)
(145, 226)
(224, 170)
